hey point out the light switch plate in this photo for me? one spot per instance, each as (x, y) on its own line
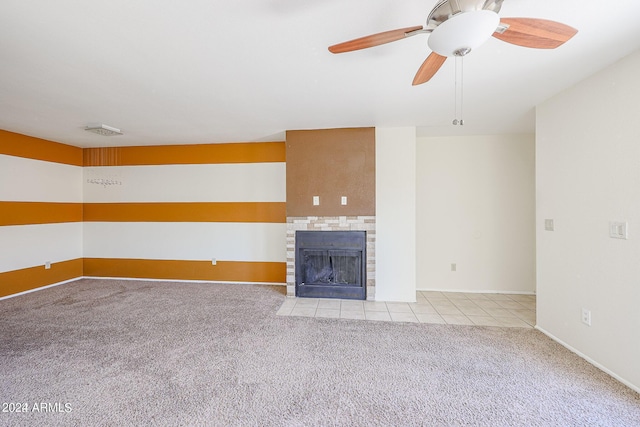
(586, 317)
(343, 200)
(618, 230)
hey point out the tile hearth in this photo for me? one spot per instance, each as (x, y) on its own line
(455, 308)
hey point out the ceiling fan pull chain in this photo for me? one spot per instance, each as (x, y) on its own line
(459, 98)
(455, 94)
(461, 88)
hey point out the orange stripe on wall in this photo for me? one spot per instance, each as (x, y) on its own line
(186, 154)
(15, 144)
(22, 213)
(186, 212)
(223, 271)
(12, 282)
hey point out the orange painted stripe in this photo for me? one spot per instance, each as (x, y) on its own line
(22, 213)
(13, 282)
(15, 144)
(223, 271)
(186, 154)
(186, 212)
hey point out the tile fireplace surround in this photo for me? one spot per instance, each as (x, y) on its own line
(332, 223)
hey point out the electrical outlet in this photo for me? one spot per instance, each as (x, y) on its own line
(214, 261)
(586, 317)
(454, 267)
(47, 265)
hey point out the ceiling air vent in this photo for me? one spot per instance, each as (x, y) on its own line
(103, 130)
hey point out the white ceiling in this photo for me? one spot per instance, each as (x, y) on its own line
(196, 71)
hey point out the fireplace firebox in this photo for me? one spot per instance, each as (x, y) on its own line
(331, 264)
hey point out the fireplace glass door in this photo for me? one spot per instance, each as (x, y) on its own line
(332, 267)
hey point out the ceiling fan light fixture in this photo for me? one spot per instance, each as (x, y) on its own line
(463, 32)
(456, 27)
(103, 130)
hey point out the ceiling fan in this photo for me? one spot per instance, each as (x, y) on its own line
(456, 27)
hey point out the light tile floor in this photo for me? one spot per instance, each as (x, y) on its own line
(455, 308)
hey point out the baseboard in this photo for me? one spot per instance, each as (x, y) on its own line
(590, 360)
(475, 291)
(40, 288)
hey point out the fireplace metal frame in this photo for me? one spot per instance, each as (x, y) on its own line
(331, 242)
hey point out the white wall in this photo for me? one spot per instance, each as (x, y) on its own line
(28, 180)
(194, 241)
(588, 173)
(476, 208)
(233, 182)
(31, 245)
(396, 214)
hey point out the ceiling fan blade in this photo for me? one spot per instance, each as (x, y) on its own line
(536, 33)
(429, 67)
(373, 40)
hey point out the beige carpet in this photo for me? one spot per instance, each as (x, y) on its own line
(120, 353)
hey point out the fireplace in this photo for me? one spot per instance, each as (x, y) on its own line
(331, 264)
